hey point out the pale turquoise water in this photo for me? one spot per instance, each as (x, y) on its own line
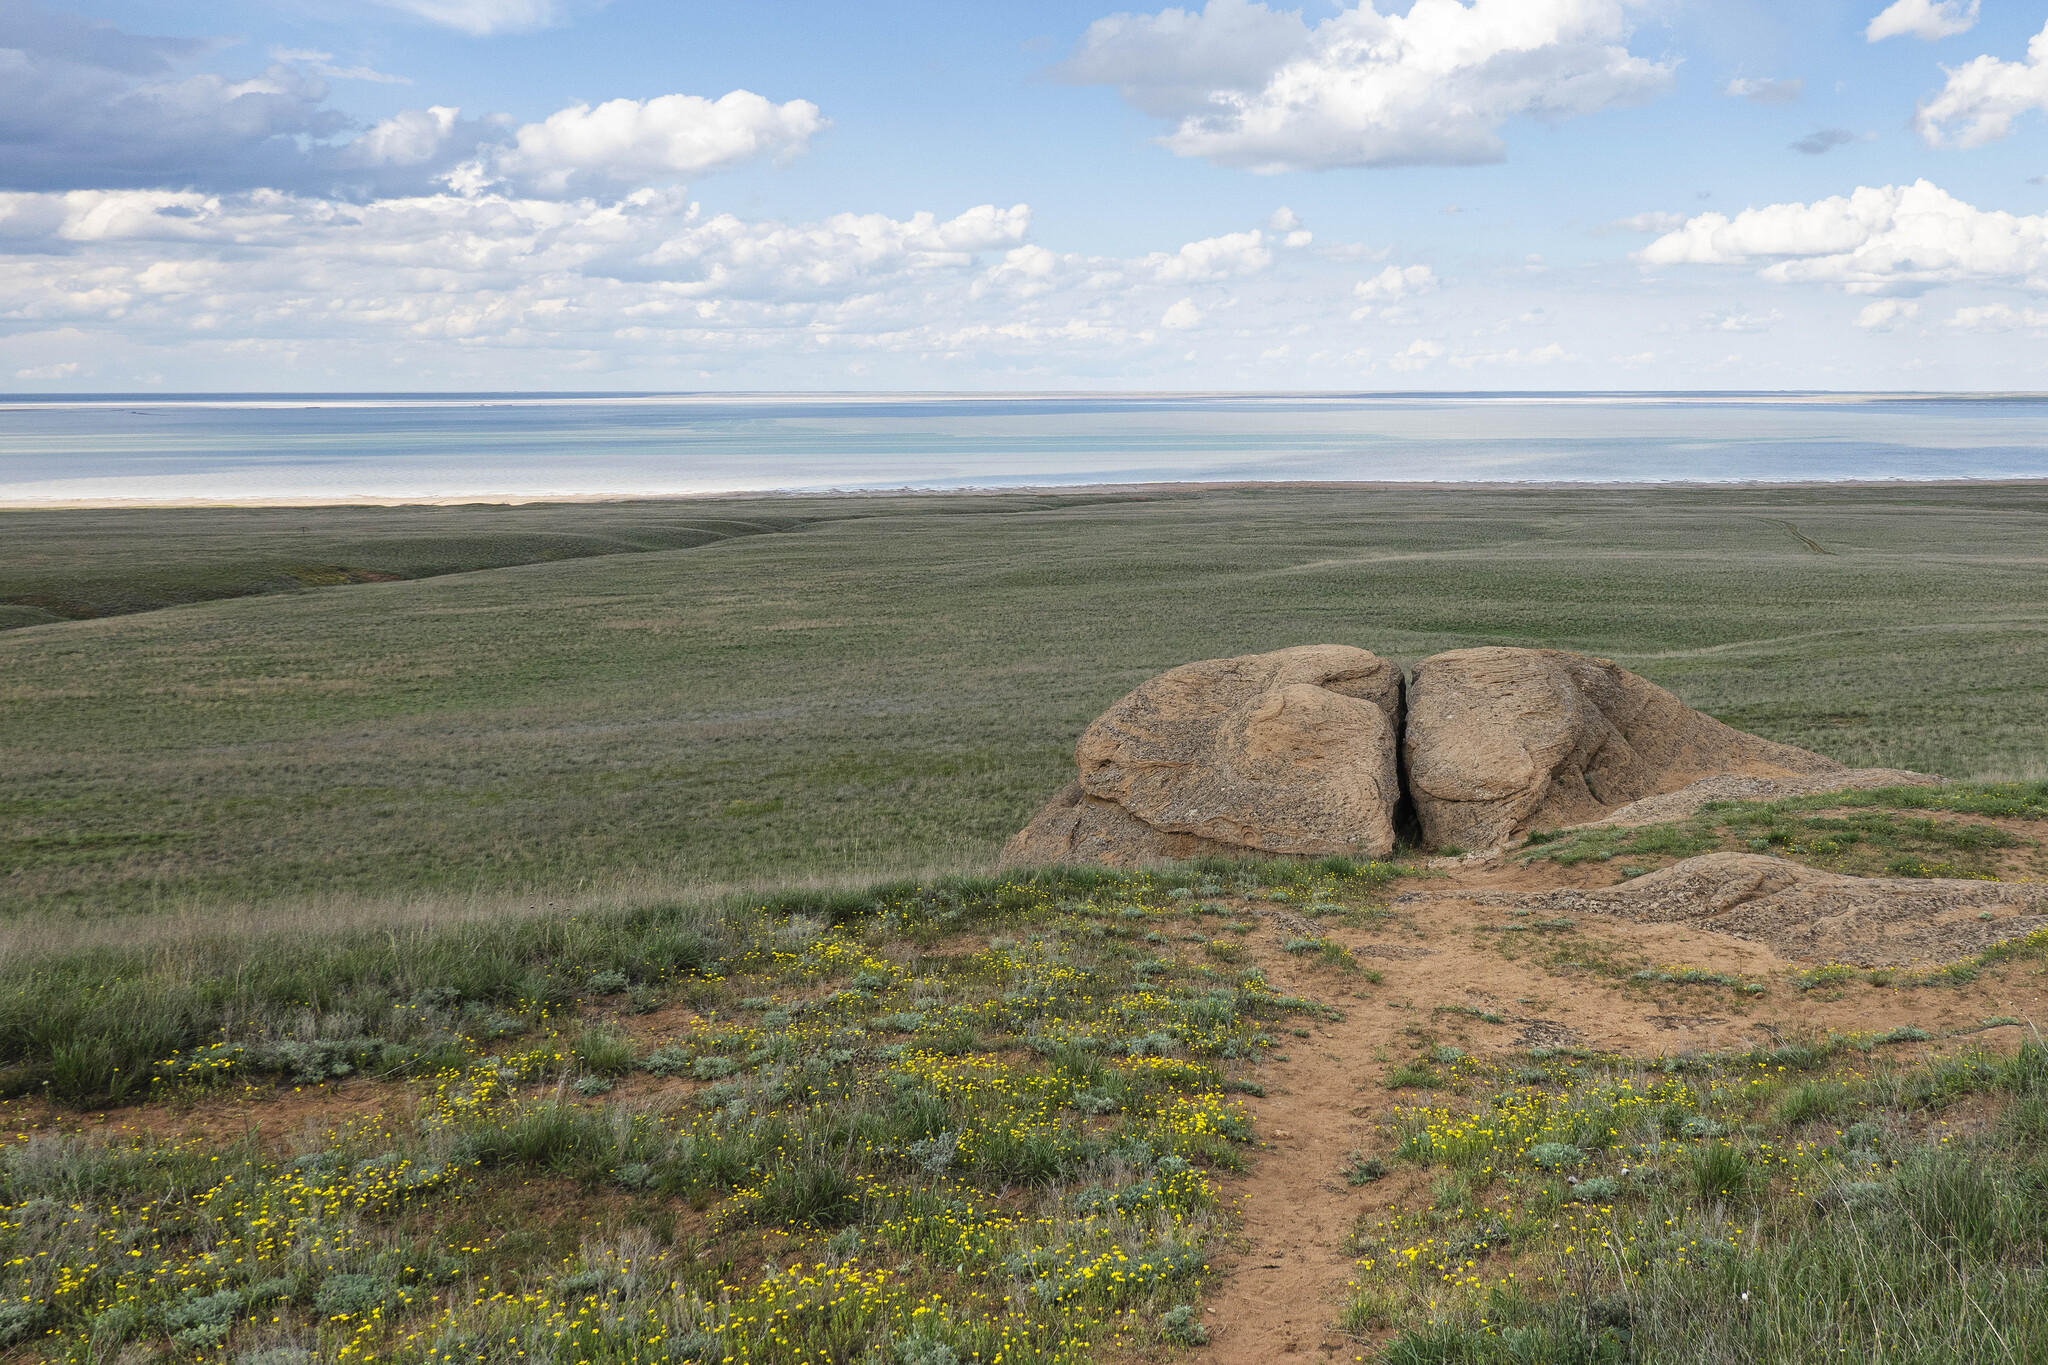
(397, 446)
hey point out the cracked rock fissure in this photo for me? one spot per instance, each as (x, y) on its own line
(1330, 749)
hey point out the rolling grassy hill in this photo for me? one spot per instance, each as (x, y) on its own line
(890, 683)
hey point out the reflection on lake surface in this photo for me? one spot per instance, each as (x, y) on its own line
(293, 449)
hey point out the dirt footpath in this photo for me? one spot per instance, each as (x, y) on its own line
(1479, 978)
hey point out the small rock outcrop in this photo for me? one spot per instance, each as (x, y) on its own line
(1688, 799)
(1500, 741)
(1313, 750)
(1292, 752)
(1803, 913)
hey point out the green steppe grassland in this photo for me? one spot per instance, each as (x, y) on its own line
(889, 684)
(568, 934)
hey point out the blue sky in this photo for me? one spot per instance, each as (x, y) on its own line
(1448, 194)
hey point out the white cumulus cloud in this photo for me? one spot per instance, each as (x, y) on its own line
(1031, 271)
(1396, 282)
(1891, 239)
(1740, 322)
(481, 267)
(671, 135)
(1928, 19)
(496, 283)
(408, 138)
(728, 255)
(1886, 315)
(1258, 89)
(1997, 317)
(68, 370)
(1025, 271)
(1287, 229)
(84, 105)
(1212, 258)
(1984, 96)
(1418, 355)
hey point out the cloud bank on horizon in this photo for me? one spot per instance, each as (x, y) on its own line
(1441, 193)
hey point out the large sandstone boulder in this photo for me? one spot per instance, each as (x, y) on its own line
(1294, 752)
(1075, 827)
(1501, 741)
(1802, 912)
(1289, 752)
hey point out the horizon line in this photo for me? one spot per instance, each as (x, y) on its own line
(936, 395)
(1135, 490)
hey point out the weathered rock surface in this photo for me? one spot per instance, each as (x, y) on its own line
(1500, 741)
(1801, 912)
(1295, 752)
(1290, 752)
(1075, 827)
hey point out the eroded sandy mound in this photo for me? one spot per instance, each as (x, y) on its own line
(1288, 752)
(1689, 798)
(1801, 913)
(1500, 741)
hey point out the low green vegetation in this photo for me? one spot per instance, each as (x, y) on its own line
(1865, 834)
(1697, 976)
(1325, 951)
(106, 1024)
(79, 565)
(1773, 1206)
(974, 1119)
(888, 685)
(473, 808)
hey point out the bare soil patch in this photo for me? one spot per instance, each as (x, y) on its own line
(1459, 972)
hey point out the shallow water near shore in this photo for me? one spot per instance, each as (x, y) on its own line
(312, 448)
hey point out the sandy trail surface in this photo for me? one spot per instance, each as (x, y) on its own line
(1451, 968)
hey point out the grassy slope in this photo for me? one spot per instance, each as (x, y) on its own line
(1880, 833)
(902, 687)
(72, 565)
(979, 1114)
(900, 1141)
(1740, 1213)
(76, 565)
